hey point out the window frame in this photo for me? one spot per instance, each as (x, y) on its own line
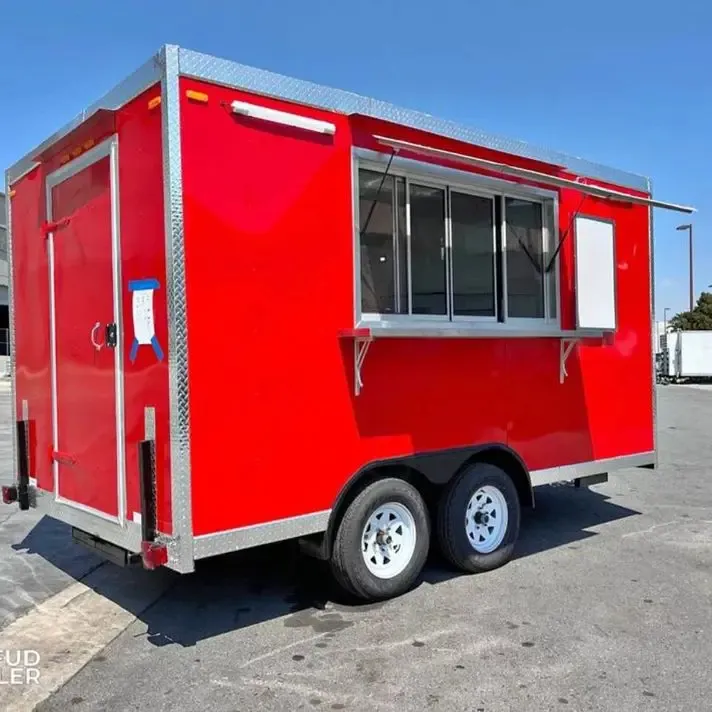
(461, 181)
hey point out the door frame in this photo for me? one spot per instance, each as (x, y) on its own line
(109, 147)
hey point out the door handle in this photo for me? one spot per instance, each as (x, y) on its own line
(94, 342)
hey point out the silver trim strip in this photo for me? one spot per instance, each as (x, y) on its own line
(127, 536)
(52, 335)
(180, 547)
(593, 467)
(304, 525)
(528, 174)
(258, 81)
(118, 319)
(146, 75)
(11, 312)
(467, 330)
(85, 508)
(259, 534)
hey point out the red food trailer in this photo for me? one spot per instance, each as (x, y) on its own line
(247, 308)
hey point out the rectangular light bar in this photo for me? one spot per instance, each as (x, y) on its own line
(528, 174)
(254, 111)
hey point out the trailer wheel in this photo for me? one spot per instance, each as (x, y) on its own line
(382, 541)
(478, 519)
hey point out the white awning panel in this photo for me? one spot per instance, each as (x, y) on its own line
(528, 174)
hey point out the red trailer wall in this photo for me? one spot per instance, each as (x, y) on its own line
(275, 428)
(143, 255)
(31, 314)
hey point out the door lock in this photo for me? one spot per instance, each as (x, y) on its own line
(110, 336)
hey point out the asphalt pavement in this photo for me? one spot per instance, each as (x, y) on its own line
(607, 606)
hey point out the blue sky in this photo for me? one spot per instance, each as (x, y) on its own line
(623, 82)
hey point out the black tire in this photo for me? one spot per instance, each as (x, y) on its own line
(453, 539)
(347, 561)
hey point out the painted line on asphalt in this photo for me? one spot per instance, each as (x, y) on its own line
(70, 628)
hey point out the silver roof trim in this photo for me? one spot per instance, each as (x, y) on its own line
(259, 81)
(528, 174)
(232, 74)
(147, 74)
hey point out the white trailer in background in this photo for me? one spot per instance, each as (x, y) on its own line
(690, 354)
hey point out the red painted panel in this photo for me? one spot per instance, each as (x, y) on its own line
(143, 257)
(31, 312)
(275, 428)
(86, 385)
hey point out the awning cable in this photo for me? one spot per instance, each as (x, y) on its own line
(566, 234)
(378, 193)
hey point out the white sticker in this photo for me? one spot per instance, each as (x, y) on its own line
(143, 323)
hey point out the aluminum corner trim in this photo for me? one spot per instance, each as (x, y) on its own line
(260, 534)
(180, 548)
(11, 310)
(593, 467)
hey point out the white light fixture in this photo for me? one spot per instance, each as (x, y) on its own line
(255, 111)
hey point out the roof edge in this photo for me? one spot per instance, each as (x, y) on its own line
(139, 80)
(239, 76)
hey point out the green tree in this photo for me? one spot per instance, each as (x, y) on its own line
(700, 318)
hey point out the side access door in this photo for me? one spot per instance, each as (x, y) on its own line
(85, 321)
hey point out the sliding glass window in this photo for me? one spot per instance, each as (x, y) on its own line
(431, 250)
(427, 248)
(525, 258)
(382, 230)
(473, 255)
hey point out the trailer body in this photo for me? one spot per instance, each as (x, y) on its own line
(199, 364)
(691, 354)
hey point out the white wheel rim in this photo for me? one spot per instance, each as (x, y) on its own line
(486, 519)
(388, 540)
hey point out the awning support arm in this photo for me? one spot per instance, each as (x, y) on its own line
(597, 191)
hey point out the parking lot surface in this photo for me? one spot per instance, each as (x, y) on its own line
(607, 606)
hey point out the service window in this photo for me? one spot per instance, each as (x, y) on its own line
(430, 249)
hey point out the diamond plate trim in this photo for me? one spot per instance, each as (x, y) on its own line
(11, 310)
(232, 74)
(180, 546)
(258, 534)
